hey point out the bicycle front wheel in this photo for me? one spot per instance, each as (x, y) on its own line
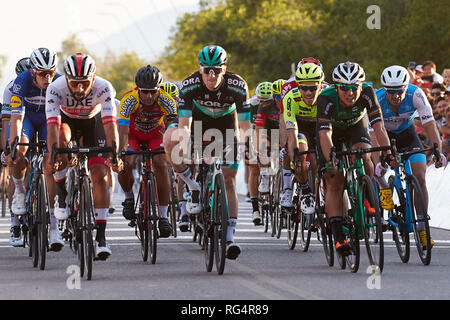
(141, 221)
(397, 219)
(86, 216)
(42, 225)
(292, 218)
(420, 218)
(373, 230)
(220, 211)
(152, 210)
(324, 232)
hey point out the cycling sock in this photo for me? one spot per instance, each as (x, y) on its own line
(255, 203)
(183, 208)
(163, 211)
(129, 194)
(186, 176)
(231, 229)
(101, 231)
(287, 179)
(336, 229)
(20, 187)
(15, 222)
(101, 215)
(53, 221)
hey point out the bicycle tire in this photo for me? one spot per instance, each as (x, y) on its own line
(354, 258)
(33, 229)
(373, 229)
(292, 219)
(174, 210)
(87, 224)
(397, 219)
(220, 214)
(4, 190)
(42, 222)
(152, 205)
(141, 221)
(418, 205)
(275, 205)
(324, 227)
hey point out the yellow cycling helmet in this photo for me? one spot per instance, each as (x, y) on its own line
(276, 86)
(264, 90)
(309, 72)
(170, 88)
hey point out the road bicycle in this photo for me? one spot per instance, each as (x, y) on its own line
(146, 207)
(82, 217)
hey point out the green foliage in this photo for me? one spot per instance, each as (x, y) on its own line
(264, 37)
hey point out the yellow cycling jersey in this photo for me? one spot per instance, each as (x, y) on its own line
(130, 109)
(294, 107)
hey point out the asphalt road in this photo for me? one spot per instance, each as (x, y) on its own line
(266, 270)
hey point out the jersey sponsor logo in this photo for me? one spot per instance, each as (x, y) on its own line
(16, 88)
(16, 102)
(290, 124)
(426, 117)
(212, 104)
(285, 89)
(72, 103)
(191, 81)
(105, 90)
(289, 104)
(237, 82)
(128, 106)
(55, 93)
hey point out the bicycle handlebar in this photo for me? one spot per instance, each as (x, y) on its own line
(41, 144)
(84, 150)
(143, 152)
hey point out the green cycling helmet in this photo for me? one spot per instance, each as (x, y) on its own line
(212, 56)
(170, 88)
(264, 90)
(309, 72)
(277, 85)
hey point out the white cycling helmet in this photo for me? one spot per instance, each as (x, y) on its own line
(349, 73)
(394, 76)
(43, 59)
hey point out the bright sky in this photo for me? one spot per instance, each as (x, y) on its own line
(30, 24)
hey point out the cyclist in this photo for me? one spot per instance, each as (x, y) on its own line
(81, 105)
(141, 120)
(22, 65)
(401, 102)
(299, 112)
(213, 98)
(263, 96)
(28, 116)
(341, 116)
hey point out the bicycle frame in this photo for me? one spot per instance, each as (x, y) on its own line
(402, 175)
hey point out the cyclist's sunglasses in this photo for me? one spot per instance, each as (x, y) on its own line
(45, 73)
(207, 70)
(346, 87)
(394, 91)
(147, 91)
(308, 88)
(73, 84)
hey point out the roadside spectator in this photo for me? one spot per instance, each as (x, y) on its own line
(447, 96)
(446, 76)
(415, 75)
(437, 91)
(429, 72)
(441, 107)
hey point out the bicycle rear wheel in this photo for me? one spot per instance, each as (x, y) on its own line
(351, 234)
(324, 227)
(86, 215)
(152, 210)
(3, 189)
(373, 229)
(220, 211)
(292, 218)
(42, 225)
(397, 219)
(420, 218)
(277, 187)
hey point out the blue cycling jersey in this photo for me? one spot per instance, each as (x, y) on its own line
(26, 96)
(415, 104)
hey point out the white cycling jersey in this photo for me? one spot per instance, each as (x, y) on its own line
(7, 95)
(99, 100)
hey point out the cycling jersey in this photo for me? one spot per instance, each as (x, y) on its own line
(26, 96)
(144, 119)
(295, 108)
(99, 100)
(230, 96)
(268, 116)
(414, 104)
(329, 110)
(6, 107)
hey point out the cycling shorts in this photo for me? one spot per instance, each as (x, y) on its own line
(153, 139)
(408, 140)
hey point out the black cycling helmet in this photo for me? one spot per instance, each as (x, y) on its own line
(148, 77)
(22, 65)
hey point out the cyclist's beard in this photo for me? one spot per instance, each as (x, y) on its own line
(81, 95)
